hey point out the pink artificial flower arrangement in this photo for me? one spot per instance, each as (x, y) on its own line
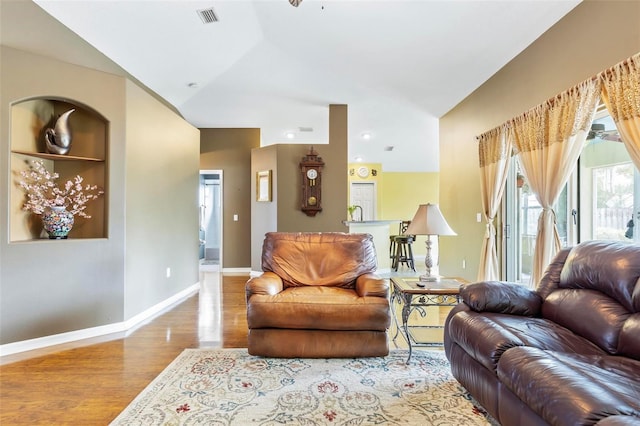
(42, 192)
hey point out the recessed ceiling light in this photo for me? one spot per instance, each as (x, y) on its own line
(192, 85)
(388, 148)
(358, 159)
(366, 136)
(290, 135)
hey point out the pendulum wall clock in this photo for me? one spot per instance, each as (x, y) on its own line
(311, 171)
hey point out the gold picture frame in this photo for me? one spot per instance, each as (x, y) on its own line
(263, 185)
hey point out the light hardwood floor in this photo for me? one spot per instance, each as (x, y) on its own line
(92, 384)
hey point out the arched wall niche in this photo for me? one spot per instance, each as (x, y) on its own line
(87, 157)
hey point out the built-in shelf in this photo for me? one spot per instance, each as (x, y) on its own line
(56, 157)
(88, 158)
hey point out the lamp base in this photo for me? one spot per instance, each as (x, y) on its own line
(427, 279)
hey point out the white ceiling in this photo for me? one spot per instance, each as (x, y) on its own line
(399, 65)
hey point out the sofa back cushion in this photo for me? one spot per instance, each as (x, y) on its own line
(318, 258)
(598, 295)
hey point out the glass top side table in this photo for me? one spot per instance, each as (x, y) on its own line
(412, 298)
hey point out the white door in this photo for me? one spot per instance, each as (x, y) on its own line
(363, 194)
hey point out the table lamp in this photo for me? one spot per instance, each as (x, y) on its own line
(429, 221)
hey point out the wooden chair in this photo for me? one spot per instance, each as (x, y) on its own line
(400, 250)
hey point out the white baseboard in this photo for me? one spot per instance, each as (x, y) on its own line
(124, 327)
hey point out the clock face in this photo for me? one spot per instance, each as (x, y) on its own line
(312, 173)
(363, 172)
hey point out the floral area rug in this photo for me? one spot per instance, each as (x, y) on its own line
(230, 387)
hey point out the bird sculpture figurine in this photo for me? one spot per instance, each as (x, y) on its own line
(58, 139)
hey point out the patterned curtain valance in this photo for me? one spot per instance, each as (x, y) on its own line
(557, 119)
(621, 83)
(621, 94)
(492, 146)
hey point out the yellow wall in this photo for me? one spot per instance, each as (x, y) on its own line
(399, 193)
(374, 176)
(402, 193)
(576, 48)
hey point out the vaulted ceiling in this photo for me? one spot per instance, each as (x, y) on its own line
(399, 65)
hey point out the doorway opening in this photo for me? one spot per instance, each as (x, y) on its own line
(210, 223)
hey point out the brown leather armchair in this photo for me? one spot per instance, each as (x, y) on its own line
(318, 298)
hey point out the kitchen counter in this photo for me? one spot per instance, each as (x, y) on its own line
(369, 222)
(380, 231)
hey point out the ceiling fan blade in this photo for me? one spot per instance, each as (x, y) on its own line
(295, 3)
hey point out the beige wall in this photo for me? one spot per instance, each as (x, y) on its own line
(334, 180)
(591, 38)
(264, 215)
(51, 287)
(161, 190)
(284, 160)
(229, 150)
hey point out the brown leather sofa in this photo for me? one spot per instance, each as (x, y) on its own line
(318, 298)
(567, 353)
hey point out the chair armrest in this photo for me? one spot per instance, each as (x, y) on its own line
(501, 297)
(372, 285)
(268, 283)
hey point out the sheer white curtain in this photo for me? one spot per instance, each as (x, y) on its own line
(621, 94)
(548, 140)
(494, 149)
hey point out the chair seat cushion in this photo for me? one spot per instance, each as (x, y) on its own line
(570, 388)
(320, 308)
(486, 336)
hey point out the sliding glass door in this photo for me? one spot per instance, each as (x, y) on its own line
(601, 201)
(609, 187)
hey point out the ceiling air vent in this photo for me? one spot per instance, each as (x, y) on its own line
(208, 15)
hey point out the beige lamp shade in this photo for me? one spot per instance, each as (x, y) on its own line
(428, 220)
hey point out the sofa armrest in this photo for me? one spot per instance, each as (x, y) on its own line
(501, 297)
(268, 283)
(372, 285)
